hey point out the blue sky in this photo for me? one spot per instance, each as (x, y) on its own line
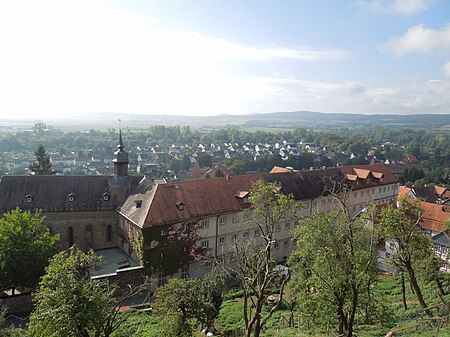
(223, 57)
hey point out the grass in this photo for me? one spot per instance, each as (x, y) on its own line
(230, 321)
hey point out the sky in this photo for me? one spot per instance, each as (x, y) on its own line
(209, 57)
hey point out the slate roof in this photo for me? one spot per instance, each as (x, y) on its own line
(441, 239)
(159, 204)
(425, 193)
(51, 193)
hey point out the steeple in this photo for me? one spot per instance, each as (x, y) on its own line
(121, 160)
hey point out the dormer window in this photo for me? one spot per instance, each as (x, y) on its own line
(245, 200)
(180, 206)
(29, 198)
(71, 197)
(105, 196)
(138, 203)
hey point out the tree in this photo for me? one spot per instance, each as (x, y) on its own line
(178, 302)
(335, 264)
(26, 246)
(401, 226)
(255, 261)
(69, 303)
(43, 166)
(181, 301)
(211, 297)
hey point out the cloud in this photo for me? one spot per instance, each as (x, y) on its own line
(415, 97)
(398, 7)
(420, 39)
(447, 69)
(82, 57)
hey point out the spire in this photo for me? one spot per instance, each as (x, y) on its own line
(121, 160)
(120, 146)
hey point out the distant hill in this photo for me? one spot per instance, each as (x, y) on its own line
(274, 120)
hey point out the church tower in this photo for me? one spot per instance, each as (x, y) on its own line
(121, 160)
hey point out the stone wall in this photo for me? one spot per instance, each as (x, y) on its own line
(95, 229)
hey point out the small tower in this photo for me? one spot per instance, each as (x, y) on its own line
(121, 160)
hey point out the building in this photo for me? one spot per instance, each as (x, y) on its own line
(170, 227)
(166, 227)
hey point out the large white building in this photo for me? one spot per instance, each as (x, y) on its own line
(166, 225)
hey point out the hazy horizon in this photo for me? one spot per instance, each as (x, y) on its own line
(203, 58)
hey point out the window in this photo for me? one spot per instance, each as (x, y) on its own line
(208, 264)
(163, 232)
(235, 218)
(222, 220)
(105, 196)
(138, 203)
(285, 243)
(379, 190)
(221, 240)
(109, 233)
(277, 228)
(205, 223)
(276, 245)
(185, 227)
(257, 232)
(180, 206)
(205, 244)
(70, 236)
(71, 197)
(296, 223)
(245, 235)
(234, 237)
(245, 200)
(161, 280)
(287, 226)
(185, 271)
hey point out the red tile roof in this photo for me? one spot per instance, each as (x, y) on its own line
(221, 195)
(403, 191)
(433, 216)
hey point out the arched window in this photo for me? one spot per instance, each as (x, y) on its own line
(109, 233)
(70, 234)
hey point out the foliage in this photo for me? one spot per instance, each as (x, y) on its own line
(26, 246)
(230, 320)
(43, 166)
(179, 302)
(335, 264)
(255, 263)
(140, 324)
(212, 288)
(69, 303)
(166, 251)
(401, 226)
